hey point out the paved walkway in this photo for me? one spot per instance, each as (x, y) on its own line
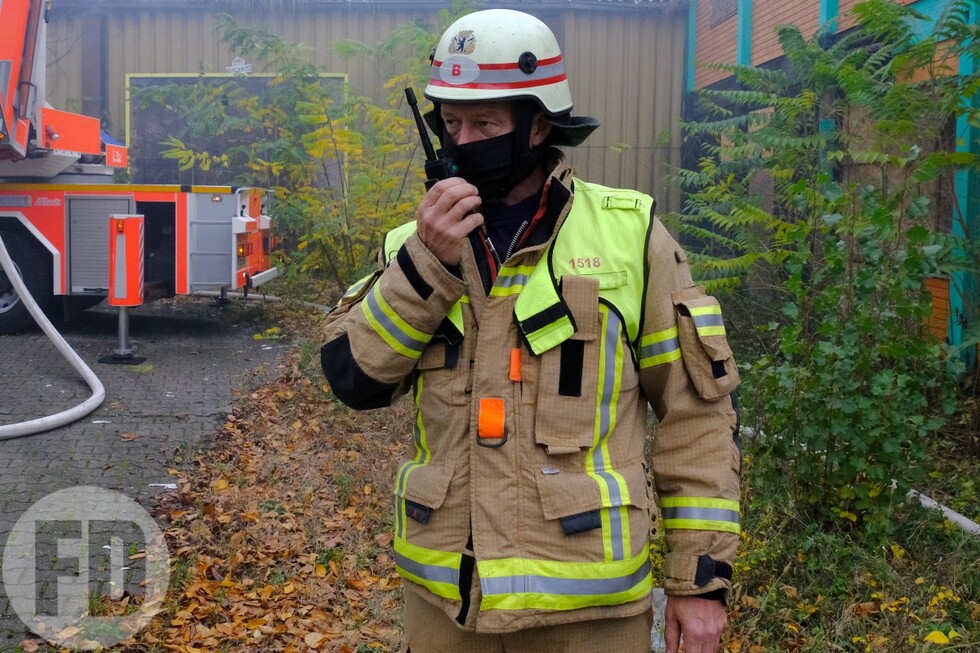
(155, 415)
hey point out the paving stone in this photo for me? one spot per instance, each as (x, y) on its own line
(197, 354)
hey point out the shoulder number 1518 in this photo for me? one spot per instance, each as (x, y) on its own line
(585, 262)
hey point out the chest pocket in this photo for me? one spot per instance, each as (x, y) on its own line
(569, 380)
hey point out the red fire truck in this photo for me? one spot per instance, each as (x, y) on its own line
(60, 213)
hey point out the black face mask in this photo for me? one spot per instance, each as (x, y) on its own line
(495, 165)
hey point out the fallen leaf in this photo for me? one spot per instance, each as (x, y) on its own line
(862, 610)
(29, 646)
(71, 631)
(750, 602)
(356, 583)
(315, 640)
(936, 637)
(128, 437)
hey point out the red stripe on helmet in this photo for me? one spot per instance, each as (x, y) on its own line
(484, 86)
(506, 66)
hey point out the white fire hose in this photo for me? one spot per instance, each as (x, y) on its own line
(41, 424)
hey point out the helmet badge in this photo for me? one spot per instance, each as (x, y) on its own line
(463, 43)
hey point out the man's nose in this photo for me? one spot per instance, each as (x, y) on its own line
(467, 134)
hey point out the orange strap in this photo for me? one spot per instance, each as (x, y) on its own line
(492, 418)
(515, 365)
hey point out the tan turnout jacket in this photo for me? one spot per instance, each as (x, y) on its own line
(524, 501)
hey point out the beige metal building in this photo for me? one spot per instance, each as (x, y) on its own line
(625, 61)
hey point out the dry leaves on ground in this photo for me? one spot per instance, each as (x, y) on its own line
(280, 537)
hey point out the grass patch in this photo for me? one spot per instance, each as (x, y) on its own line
(800, 588)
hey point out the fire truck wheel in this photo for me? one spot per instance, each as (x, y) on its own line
(34, 266)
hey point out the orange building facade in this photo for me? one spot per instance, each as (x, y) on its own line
(743, 32)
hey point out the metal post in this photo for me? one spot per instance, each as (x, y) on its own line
(124, 353)
(123, 348)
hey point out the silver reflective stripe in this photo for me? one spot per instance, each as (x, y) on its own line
(702, 514)
(119, 288)
(405, 340)
(658, 348)
(510, 281)
(431, 573)
(711, 319)
(356, 288)
(422, 458)
(546, 70)
(610, 345)
(563, 586)
(400, 525)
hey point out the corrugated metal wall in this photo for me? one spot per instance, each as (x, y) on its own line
(625, 66)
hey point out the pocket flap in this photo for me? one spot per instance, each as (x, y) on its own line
(705, 313)
(701, 332)
(570, 493)
(581, 295)
(433, 356)
(426, 484)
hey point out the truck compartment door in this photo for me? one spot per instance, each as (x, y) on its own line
(88, 238)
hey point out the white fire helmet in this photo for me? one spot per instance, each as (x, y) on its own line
(499, 55)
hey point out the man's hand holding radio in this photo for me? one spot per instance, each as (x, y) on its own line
(445, 218)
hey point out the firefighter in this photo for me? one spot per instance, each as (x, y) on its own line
(535, 316)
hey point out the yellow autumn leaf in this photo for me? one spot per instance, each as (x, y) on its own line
(850, 516)
(220, 484)
(898, 552)
(936, 637)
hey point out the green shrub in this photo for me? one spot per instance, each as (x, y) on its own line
(822, 202)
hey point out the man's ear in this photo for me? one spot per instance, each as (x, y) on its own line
(540, 129)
